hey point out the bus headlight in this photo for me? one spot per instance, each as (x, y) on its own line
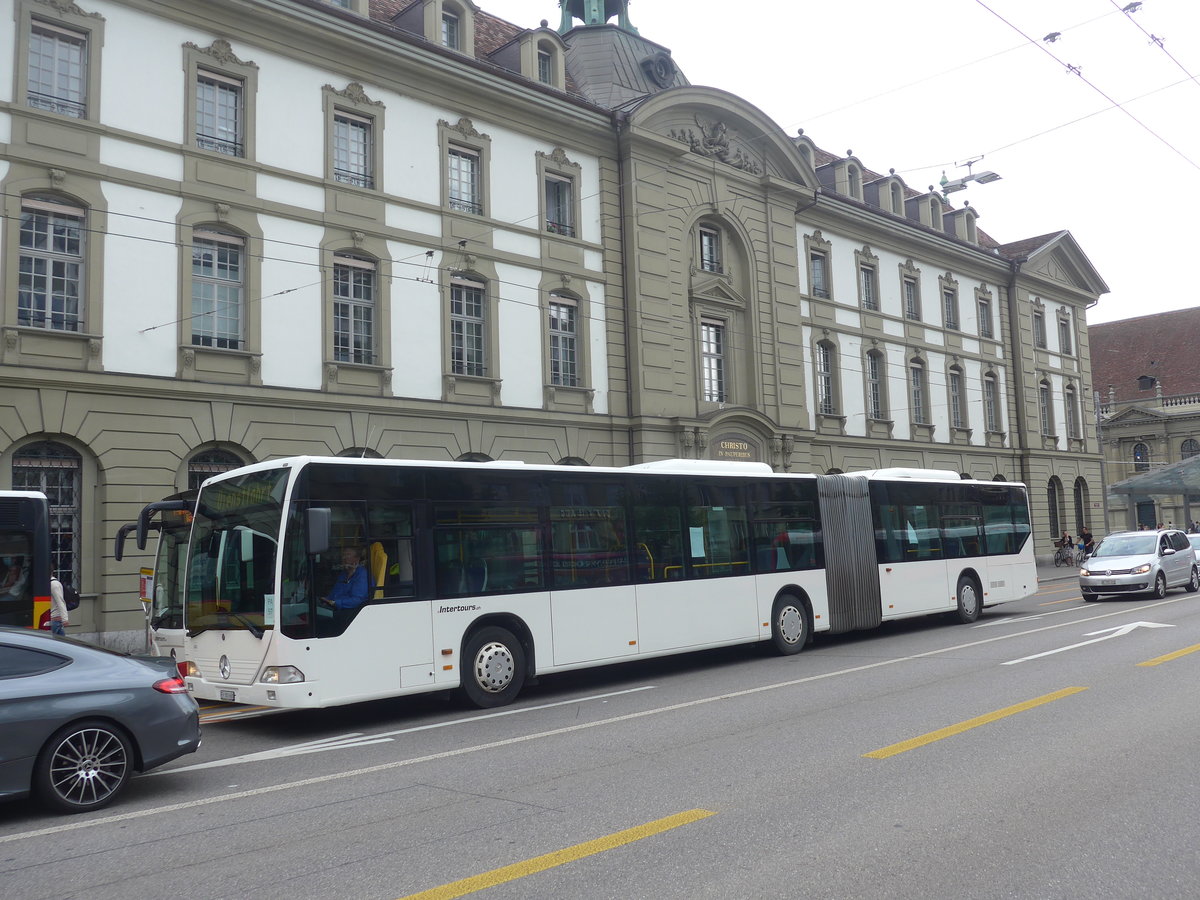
(190, 669)
(281, 675)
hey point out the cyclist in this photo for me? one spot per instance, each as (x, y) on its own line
(1087, 543)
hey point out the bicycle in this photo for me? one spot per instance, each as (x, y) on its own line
(1063, 555)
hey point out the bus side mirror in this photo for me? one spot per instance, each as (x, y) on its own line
(319, 527)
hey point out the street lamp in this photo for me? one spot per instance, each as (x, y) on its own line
(949, 186)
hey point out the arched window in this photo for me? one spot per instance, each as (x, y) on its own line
(572, 461)
(55, 470)
(361, 453)
(854, 182)
(1189, 448)
(834, 472)
(1053, 505)
(1141, 457)
(1080, 491)
(826, 366)
(474, 457)
(897, 199)
(208, 463)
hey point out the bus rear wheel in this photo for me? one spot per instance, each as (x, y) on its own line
(969, 601)
(494, 667)
(789, 625)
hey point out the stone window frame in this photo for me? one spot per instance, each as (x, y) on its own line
(948, 292)
(557, 166)
(1143, 458)
(985, 312)
(1066, 332)
(577, 397)
(199, 216)
(433, 14)
(219, 59)
(52, 205)
(1072, 409)
(910, 274)
(568, 300)
(477, 389)
(1046, 407)
(711, 321)
(352, 101)
(68, 17)
(71, 350)
(357, 245)
(917, 378)
(831, 404)
(815, 245)
(956, 401)
(1037, 319)
(866, 264)
(879, 382)
(544, 43)
(992, 407)
(463, 136)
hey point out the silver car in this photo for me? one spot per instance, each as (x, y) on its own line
(76, 721)
(1127, 562)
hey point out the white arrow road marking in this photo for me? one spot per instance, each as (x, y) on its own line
(1105, 635)
(357, 739)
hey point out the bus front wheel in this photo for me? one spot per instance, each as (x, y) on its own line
(494, 667)
(789, 625)
(969, 601)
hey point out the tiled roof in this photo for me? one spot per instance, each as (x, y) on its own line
(1164, 346)
(1022, 248)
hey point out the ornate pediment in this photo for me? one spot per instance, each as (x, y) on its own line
(716, 289)
(1132, 415)
(558, 159)
(355, 93)
(465, 127)
(66, 7)
(714, 141)
(221, 51)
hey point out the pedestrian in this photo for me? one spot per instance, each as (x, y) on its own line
(59, 618)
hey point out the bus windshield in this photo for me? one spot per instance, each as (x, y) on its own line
(231, 555)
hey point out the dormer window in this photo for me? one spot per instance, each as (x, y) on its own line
(853, 182)
(451, 35)
(1146, 382)
(545, 67)
(897, 195)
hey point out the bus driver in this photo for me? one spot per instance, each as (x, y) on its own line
(351, 588)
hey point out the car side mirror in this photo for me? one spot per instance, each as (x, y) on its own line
(1168, 551)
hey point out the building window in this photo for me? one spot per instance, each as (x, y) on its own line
(450, 31)
(867, 290)
(876, 396)
(57, 70)
(912, 300)
(217, 288)
(545, 67)
(919, 393)
(854, 182)
(818, 266)
(353, 309)
(219, 108)
(958, 415)
(1072, 413)
(353, 150)
(1189, 448)
(468, 340)
(1052, 491)
(712, 353)
(826, 388)
(1039, 330)
(563, 338)
(560, 205)
(984, 303)
(990, 409)
(208, 463)
(897, 199)
(710, 250)
(1064, 336)
(1141, 457)
(1045, 409)
(463, 166)
(950, 308)
(50, 279)
(55, 470)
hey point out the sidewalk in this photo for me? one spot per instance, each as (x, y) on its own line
(1047, 572)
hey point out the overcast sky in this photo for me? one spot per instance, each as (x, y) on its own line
(1111, 155)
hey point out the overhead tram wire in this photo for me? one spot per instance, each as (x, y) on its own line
(1154, 39)
(1075, 70)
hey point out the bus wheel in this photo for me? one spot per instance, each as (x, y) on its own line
(494, 662)
(968, 600)
(789, 625)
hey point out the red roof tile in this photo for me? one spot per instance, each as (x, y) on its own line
(1163, 346)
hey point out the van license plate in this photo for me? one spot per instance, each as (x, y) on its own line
(229, 695)
(1107, 581)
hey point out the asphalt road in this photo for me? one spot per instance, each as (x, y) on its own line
(1047, 751)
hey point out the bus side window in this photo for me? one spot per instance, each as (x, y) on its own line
(390, 527)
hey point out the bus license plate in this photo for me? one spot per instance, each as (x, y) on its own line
(229, 695)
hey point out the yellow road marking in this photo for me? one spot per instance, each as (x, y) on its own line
(950, 731)
(559, 857)
(1170, 656)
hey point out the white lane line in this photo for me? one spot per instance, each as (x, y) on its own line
(462, 751)
(358, 739)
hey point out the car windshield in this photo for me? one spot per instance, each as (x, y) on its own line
(1128, 545)
(231, 555)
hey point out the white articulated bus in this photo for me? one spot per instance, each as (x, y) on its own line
(321, 581)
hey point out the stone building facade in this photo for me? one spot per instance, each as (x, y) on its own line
(245, 229)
